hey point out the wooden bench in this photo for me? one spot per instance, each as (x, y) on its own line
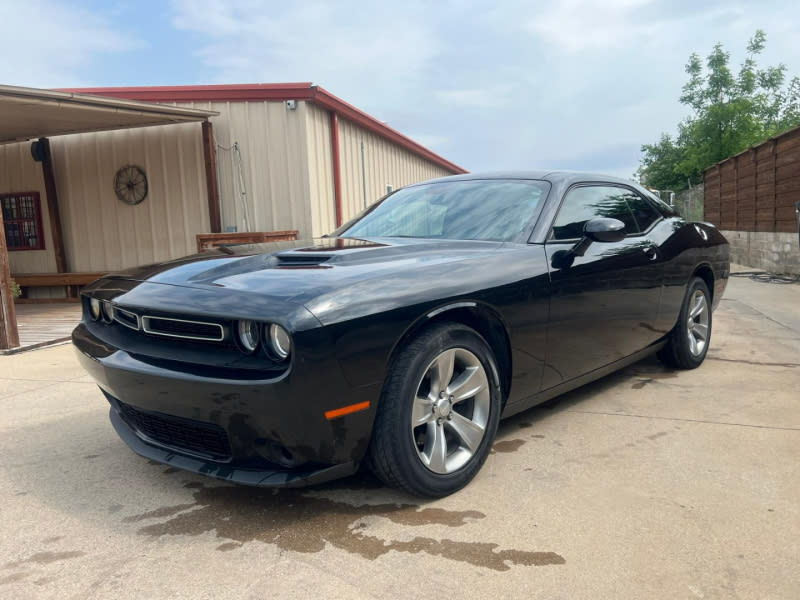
(72, 281)
(206, 241)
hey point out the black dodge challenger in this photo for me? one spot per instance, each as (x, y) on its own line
(402, 338)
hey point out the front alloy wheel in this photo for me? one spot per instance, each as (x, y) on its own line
(438, 412)
(451, 411)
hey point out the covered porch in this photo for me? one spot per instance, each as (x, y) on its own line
(28, 119)
(44, 324)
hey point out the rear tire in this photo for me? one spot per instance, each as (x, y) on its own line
(438, 412)
(687, 344)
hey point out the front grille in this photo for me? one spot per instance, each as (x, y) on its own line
(195, 437)
(180, 328)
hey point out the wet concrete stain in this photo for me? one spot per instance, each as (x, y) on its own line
(655, 436)
(164, 511)
(650, 373)
(45, 558)
(302, 523)
(508, 445)
(13, 578)
(228, 546)
(53, 539)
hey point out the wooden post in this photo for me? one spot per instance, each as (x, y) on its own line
(55, 213)
(9, 337)
(52, 206)
(210, 155)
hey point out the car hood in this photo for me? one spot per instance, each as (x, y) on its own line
(303, 270)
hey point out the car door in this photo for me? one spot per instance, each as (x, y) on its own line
(604, 304)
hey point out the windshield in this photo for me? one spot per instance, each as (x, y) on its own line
(497, 210)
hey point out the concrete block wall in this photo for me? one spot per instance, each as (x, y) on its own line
(774, 252)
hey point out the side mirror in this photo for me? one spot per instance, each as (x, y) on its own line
(599, 229)
(604, 229)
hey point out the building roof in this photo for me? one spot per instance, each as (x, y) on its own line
(275, 92)
(27, 113)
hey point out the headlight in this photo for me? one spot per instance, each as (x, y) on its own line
(94, 308)
(248, 335)
(279, 341)
(108, 311)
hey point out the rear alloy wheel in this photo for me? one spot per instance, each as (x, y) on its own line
(439, 412)
(687, 344)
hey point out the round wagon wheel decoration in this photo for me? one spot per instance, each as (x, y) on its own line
(130, 184)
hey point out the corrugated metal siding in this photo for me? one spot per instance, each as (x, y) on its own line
(103, 234)
(272, 142)
(385, 164)
(320, 171)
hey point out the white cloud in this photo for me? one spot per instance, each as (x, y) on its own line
(491, 96)
(355, 49)
(579, 25)
(48, 44)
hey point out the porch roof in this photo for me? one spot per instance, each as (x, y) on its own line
(28, 113)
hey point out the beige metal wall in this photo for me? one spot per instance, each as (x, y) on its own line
(274, 164)
(101, 233)
(320, 171)
(20, 173)
(385, 164)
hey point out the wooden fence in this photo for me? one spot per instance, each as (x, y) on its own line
(206, 241)
(757, 189)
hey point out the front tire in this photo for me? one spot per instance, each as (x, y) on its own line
(438, 413)
(688, 342)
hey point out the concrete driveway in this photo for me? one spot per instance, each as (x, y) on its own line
(648, 484)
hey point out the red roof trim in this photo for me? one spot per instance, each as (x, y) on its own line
(271, 91)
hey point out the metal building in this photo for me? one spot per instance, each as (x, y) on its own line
(124, 176)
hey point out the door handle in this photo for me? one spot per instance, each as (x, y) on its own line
(650, 252)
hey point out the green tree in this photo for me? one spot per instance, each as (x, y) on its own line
(730, 113)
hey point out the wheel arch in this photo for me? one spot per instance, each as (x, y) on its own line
(478, 316)
(705, 272)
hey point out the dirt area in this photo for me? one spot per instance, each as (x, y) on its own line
(647, 484)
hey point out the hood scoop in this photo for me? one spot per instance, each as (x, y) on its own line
(298, 260)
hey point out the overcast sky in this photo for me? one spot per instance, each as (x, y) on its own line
(489, 85)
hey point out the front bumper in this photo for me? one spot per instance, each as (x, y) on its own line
(273, 476)
(275, 431)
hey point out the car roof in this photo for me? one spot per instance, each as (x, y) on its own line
(553, 176)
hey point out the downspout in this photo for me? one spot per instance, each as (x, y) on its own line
(363, 176)
(337, 170)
